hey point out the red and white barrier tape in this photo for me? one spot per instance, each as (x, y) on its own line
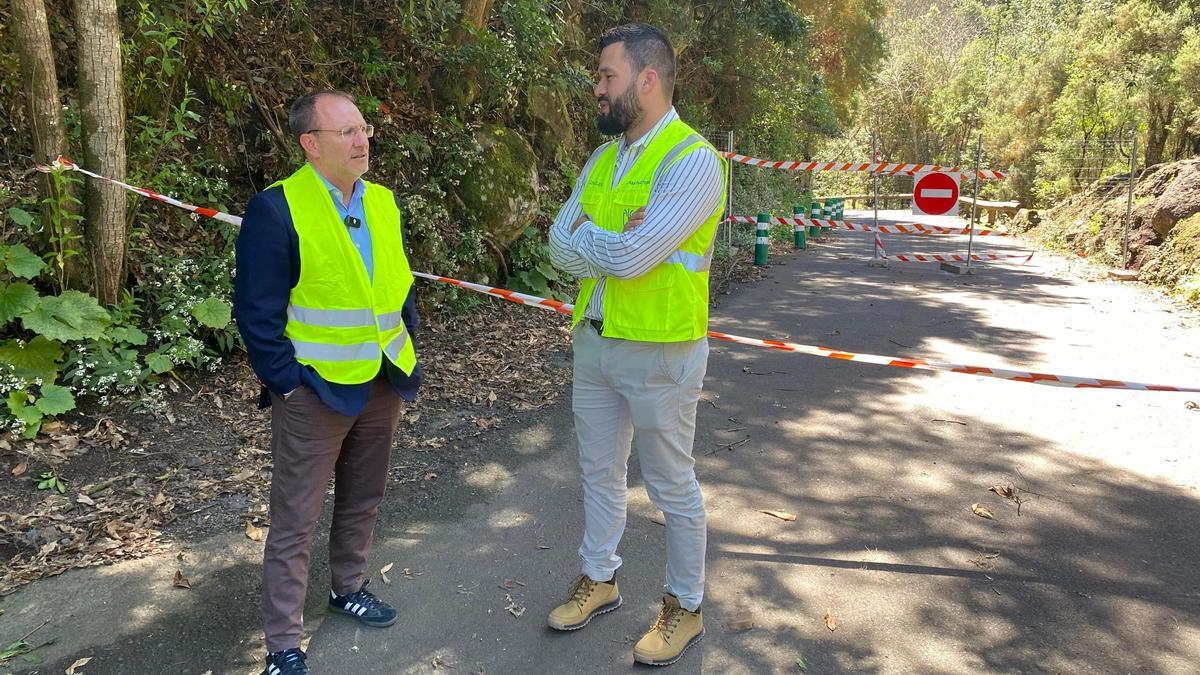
(825, 352)
(946, 257)
(930, 258)
(64, 163)
(868, 167)
(504, 294)
(901, 228)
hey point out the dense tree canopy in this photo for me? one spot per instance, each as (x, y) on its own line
(1044, 80)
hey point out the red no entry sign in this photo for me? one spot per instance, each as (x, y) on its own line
(935, 194)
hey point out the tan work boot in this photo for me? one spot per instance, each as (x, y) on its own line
(588, 598)
(675, 630)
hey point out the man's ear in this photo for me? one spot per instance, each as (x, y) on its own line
(648, 81)
(309, 144)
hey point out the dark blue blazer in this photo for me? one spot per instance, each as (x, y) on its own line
(268, 268)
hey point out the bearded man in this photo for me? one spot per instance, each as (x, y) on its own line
(638, 230)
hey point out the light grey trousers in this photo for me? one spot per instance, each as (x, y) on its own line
(644, 393)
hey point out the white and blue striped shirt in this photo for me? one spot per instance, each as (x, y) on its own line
(681, 200)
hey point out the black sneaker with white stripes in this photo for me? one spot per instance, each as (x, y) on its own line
(364, 606)
(286, 662)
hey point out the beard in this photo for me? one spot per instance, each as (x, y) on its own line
(622, 113)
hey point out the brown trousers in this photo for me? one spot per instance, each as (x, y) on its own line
(310, 442)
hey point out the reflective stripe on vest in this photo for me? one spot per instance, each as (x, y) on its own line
(396, 346)
(391, 320)
(316, 351)
(675, 152)
(332, 318)
(690, 261)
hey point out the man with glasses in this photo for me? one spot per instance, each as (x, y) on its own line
(325, 303)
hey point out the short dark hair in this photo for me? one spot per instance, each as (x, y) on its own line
(646, 46)
(300, 115)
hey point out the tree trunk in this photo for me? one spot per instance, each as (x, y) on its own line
(40, 82)
(102, 108)
(1158, 127)
(463, 89)
(475, 12)
(573, 36)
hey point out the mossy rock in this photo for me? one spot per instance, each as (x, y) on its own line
(1177, 264)
(1180, 199)
(553, 132)
(500, 192)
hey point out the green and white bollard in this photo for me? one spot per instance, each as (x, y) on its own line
(826, 214)
(763, 237)
(839, 209)
(814, 213)
(798, 230)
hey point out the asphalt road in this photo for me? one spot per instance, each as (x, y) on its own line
(1093, 571)
(881, 467)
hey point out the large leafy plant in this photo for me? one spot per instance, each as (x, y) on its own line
(54, 348)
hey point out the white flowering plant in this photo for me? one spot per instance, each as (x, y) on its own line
(55, 349)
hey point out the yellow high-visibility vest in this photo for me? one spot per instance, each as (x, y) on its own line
(341, 321)
(669, 303)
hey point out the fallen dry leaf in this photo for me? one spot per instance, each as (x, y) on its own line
(782, 515)
(830, 622)
(84, 499)
(383, 573)
(180, 580)
(982, 512)
(740, 622)
(242, 475)
(1192, 405)
(984, 560)
(67, 443)
(20, 469)
(512, 607)
(159, 499)
(253, 533)
(1005, 491)
(73, 668)
(510, 584)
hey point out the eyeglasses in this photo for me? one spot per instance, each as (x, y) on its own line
(368, 130)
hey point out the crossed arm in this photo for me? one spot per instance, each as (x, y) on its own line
(682, 199)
